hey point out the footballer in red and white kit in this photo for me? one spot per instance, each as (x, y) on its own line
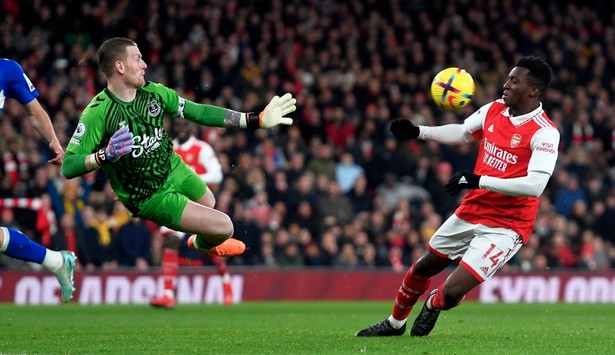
(200, 156)
(516, 157)
(517, 154)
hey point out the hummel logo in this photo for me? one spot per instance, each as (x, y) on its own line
(462, 180)
(490, 129)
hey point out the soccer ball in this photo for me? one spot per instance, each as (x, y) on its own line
(452, 88)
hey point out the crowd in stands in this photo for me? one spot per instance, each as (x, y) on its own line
(335, 189)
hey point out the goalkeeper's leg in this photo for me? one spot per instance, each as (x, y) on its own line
(183, 205)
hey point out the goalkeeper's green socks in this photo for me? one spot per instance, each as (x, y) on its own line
(201, 243)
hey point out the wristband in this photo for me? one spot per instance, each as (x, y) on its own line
(92, 159)
(253, 120)
(101, 158)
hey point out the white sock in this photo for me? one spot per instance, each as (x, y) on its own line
(226, 278)
(53, 261)
(428, 301)
(397, 323)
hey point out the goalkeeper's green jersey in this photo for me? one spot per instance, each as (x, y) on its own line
(135, 176)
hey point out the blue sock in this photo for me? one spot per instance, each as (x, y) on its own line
(22, 248)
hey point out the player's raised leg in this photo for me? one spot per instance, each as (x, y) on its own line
(212, 229)
(61, 263)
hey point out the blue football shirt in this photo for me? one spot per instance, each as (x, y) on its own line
(14, 83)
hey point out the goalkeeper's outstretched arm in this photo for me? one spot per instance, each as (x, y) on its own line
(209, 115)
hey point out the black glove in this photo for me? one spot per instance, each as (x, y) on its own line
(404, 129)
(462, 180)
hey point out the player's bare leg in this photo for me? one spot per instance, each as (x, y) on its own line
(213, 231)
(415, 283)
(446, 296)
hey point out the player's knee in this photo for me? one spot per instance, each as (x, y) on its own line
(227, 229)
(210, 201)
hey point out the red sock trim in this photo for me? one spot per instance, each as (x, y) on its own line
(437, 301)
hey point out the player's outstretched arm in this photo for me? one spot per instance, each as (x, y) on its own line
(273, 115)
(41, 121)
(404, 129)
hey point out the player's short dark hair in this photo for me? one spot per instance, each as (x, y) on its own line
(540, 73)
(111, 50)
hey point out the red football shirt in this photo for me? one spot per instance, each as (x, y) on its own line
(510, 147)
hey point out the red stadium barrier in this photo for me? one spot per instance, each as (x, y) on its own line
(297, 285)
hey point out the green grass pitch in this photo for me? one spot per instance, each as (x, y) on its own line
(303, 328)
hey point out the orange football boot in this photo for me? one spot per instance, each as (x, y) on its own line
(229, 247)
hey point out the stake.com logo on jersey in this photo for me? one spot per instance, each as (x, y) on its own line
(146, 144)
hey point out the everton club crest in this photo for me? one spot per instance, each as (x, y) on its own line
(153, 108)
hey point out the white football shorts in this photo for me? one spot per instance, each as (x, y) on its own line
(479, 249)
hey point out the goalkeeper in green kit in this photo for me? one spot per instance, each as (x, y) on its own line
(122, 131)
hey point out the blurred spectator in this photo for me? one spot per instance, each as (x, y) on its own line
(322, 163)
(67, 236)
(291, 256)
(393, 190)
(568, 195)
(346, 172)
(334, 208)
(132, 245)
(91, 253)
(360, 198)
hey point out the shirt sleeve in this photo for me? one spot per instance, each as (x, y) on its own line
(89, 132)
(470, 130)
(179, 107)
(208, 159)
(545, 147)
(533, 184)
(20, 87)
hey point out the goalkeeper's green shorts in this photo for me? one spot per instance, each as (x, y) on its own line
(165, 206)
